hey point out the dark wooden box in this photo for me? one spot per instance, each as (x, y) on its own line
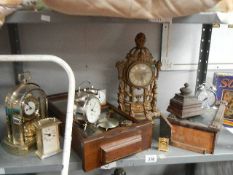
(199, 133)
(100, 149)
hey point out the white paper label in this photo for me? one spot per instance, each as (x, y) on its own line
(45, 18)
(109, 166)
(2, 171)
(151, 158)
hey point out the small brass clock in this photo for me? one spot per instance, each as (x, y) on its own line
(138, 75)
(47, 137)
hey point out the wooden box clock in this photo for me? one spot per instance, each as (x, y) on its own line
(138, 75)
(198, 134)
(192, 127)
(102, 142)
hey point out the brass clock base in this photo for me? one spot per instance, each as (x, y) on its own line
(139, 117)
(43, 156)
(17, 149)
(150, 116)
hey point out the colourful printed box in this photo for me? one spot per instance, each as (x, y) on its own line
(224, 86)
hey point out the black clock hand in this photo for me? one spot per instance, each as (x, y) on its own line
(205, 99)
(93, 108)
(29, 106)
(47, 134)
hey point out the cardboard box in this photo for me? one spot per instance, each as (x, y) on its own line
(224, 85)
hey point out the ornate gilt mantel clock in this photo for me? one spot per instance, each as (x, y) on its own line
(138, 75)
(25, 105)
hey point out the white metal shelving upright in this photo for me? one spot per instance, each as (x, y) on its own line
(70, 104)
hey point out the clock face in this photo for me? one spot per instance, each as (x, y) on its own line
(203, 96)
(50, 139)
(140, 75)
(207, 97)
(30, 106)
(93, 109)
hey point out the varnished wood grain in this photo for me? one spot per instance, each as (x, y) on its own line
(109, 146)
(118, 149)
(193, 139)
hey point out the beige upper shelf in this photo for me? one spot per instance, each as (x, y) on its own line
(27, 16)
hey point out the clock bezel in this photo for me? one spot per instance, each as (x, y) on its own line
(82, 109)
(209, 94)
(87, 101)
(27, 99)
(153, 70)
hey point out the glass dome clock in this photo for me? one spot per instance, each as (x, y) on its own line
(25, 105)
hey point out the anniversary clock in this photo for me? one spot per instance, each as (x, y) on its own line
(138, 75)
(25, 105)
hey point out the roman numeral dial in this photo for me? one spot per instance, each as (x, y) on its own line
(140, 75)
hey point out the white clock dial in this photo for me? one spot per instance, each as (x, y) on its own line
(93, 110)
(140, 74)
(50, 139)
(202, 96)
(29, 108)
(207, 96)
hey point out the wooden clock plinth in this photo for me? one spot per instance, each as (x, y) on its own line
(184, 105)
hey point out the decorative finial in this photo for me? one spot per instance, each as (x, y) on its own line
(185, 90)
(140, 40)
(24, 77)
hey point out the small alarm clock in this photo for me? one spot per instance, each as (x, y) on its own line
(47, 137)
(207, 95)
(87, 106)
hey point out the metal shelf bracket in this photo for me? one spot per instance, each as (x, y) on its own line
(204, 54)
(14, 39)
